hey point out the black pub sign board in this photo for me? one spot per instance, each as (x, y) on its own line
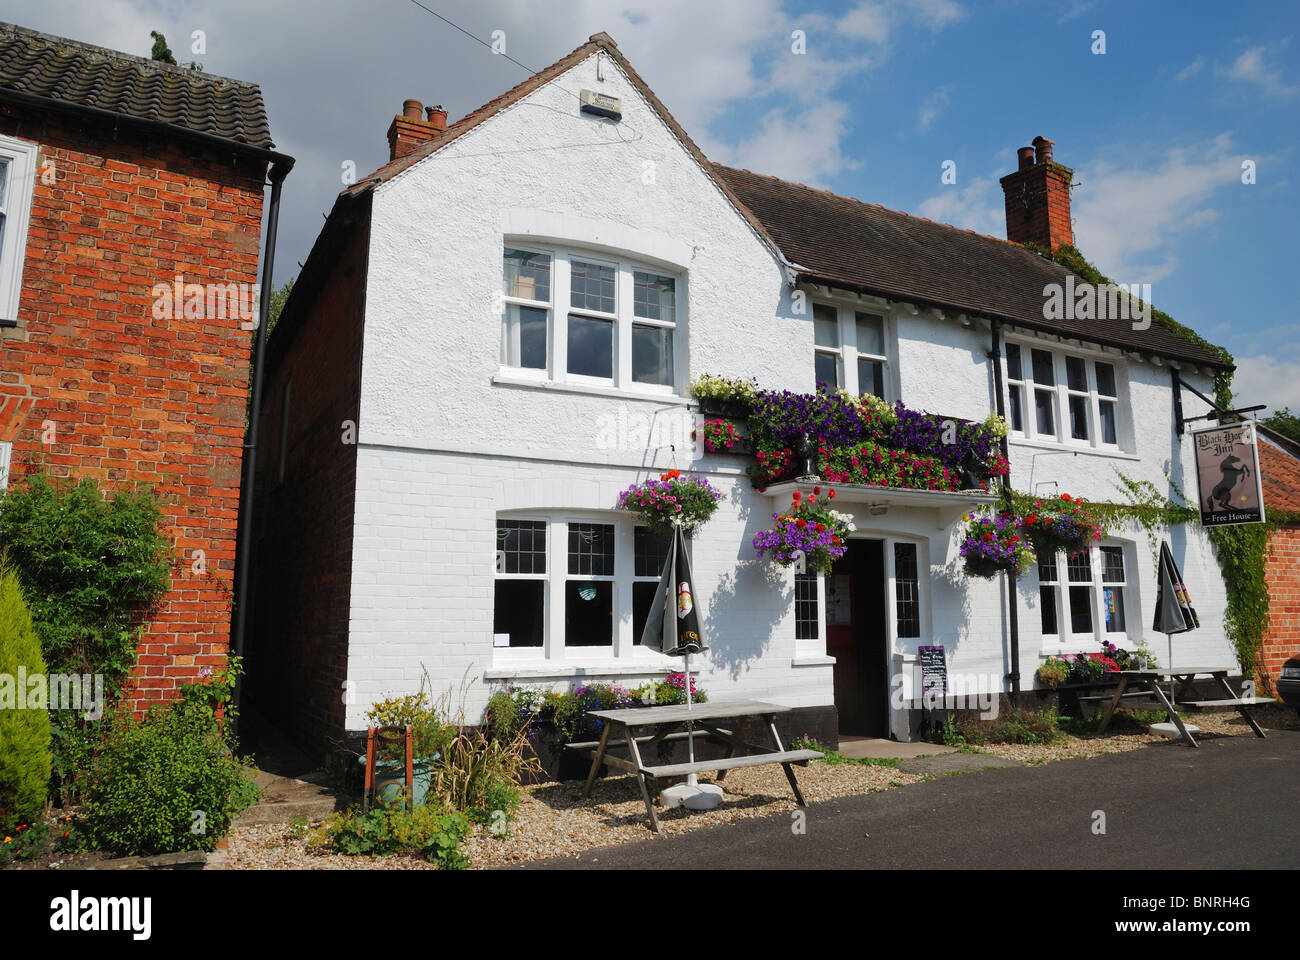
(1227, 474)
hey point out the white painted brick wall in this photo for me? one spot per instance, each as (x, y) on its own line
(422, 562)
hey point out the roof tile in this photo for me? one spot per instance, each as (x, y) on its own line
(48, 66)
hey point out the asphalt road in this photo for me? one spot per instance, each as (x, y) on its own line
(1233, 803)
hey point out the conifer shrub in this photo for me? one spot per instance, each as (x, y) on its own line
(24, 733)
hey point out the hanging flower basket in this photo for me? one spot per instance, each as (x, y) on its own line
(994, 545)
(809, 528)
(671, 499)
(1061, 524)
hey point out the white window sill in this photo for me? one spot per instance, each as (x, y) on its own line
(534, 670)
(1053, 648)
(552, 386)
(1114, 453)
(818, 661)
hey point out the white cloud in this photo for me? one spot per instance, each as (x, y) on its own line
(793, 145)
(977, 205)
(870, 21)
(1250, 67)
(1127, 215)
(876, 20)
(1191, 70)
(1077, 9)
(934, 105)
(1268, 379)
(936, 14)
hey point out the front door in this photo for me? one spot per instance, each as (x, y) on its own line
(857, 638)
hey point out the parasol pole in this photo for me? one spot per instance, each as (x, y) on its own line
(691, 778)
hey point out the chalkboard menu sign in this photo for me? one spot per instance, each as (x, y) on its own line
(934, 671)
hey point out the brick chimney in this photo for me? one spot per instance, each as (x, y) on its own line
(408, 129)
(1038, 198)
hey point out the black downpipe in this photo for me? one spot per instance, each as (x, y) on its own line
(243, 556)
(995, 356)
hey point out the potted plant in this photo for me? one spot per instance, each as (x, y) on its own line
(1053, 672)
(1061, 524)
(993, 545)
(671, 499)
(724, 396)
(720, 436)
(809, 528)
(430, 738)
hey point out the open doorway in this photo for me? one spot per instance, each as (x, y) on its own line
(857, 637)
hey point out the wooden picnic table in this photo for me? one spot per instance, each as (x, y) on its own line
(635, 727)
(1182, 678)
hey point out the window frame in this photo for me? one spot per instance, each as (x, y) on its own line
(1065, 639)
(6, 462)
(508, 300)
(847, 353)
(1061, 394)
(624, 318)
(16, 203)
(553, 650)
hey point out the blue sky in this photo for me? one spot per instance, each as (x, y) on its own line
(1156, 128)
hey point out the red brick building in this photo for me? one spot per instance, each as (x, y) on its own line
(1279, 465)
(130, 233)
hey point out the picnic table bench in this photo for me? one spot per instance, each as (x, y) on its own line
(623, 728)
(1180, 679)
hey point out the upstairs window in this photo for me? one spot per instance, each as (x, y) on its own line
(526, 331)
(17, 177)
(850, 350)
(618, 322)
(1062, 397)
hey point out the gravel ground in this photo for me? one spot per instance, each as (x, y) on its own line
(556, 820)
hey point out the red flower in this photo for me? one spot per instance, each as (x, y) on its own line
(831, 494)
(796, 496)
(820, 528)
(817, 489)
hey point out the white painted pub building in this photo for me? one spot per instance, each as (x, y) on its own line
(508, 316)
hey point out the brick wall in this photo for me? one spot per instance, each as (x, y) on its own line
(1282, 570)
(132, 398)
(297, 646)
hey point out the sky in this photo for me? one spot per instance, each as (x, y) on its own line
(1163, 110)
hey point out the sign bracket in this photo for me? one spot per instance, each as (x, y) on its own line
(1180, 421)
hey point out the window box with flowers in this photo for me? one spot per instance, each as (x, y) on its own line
(865, 440)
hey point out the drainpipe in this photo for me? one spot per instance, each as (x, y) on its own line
(243, 556)
(995, 357)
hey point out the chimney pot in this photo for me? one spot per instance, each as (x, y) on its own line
(1037, 197)
(437, 116)
(411, 109)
